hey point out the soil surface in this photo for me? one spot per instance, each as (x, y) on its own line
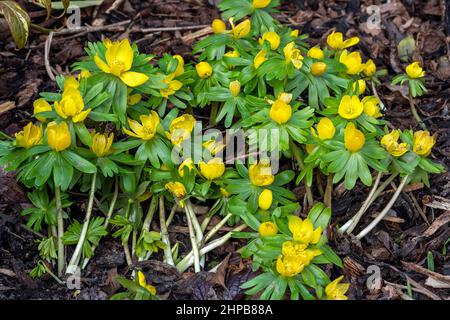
(400, 249)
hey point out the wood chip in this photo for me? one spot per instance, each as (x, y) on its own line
(424, 271)
(442, 220)
(6, 106)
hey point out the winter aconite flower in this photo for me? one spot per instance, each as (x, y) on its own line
(303, 230)
(71, 105)
(372, 106)
(218, 26)
(71, 82)
(172, 86)
(30, 136)
(84, 74)
(295, 257)
(423, 143)
(187, 163)
(336, 290)
(370, 68)
(213, 146)
(352, 61)
(204, 69)
(40, 105)
(293, 55)
(232, 54)
(350, 107)
(180, 66)
(318, 68)
(241, 30)
(213, 169)
(267, 229)
(360, 85)
(414, 70)
(272, 37)
(315, 53)
(259, 59)
(101, 144)
(180, 129)
(259, 4)
(176, 188)
(325, 129)
(119, 60)
(354, 139)
(143, 283)
(280, 111)
(235, 88)
(336, 41)
(58, 136)
(265, 199)
(289, 266)
(260, 174)
(390, 143)
(145, 130)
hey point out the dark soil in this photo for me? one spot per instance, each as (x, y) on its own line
(399, 248)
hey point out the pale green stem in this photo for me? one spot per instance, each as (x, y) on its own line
(60, 222)
(300, 164)
(164, 233)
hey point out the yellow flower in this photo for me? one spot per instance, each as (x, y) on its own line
(289, 266)
(259, 59)
(414, 70)
(143, 283)
(350, 107)
(188, 163)
(315, 53)
(303, 230)
(241, 30)
(235, 88)
(259, 4)
(372, 106)
(352, 61)
(101, 144)
(180, 129)
(71, 82)
(318, 68)
(176, 188)
(293, 55)
(325, 129)
(204, 69)
(145, 130)
(218, 26)
(58, 136)
(300, 251)
(173, 86)
(423, 143)
(389, 142)
(353, 138)
(361, 86)
(260, 174)
(30, 136)
(272, 37)
(213, 146)
(370, 68)
(336, 41)
(280, 111)
(180, 66)
(212, 170)
(265, 199)
(336, 291)
(71, 105)
(232, 54)
(84, 74)
(285, 97)
(40, 105)
(294, 33)
(119, 60)
(267, 229)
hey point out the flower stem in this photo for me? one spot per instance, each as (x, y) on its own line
(213, 114)
(217, 227)
(209, 216)
(171, 215)
(194, 244)
(73, 264)
(164, 233)
(372, 225)
(60, 222)
(328, 191)
(414, 111)
(300, 164)
(195, 224)
(188, 260)
(351, 224)
(150, 213)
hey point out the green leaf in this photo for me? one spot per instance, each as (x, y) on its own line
(18, 21)
(83, 133)
(331, 255)
(78, 162)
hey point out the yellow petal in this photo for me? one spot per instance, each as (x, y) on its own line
(101, 64)
(133, 79)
